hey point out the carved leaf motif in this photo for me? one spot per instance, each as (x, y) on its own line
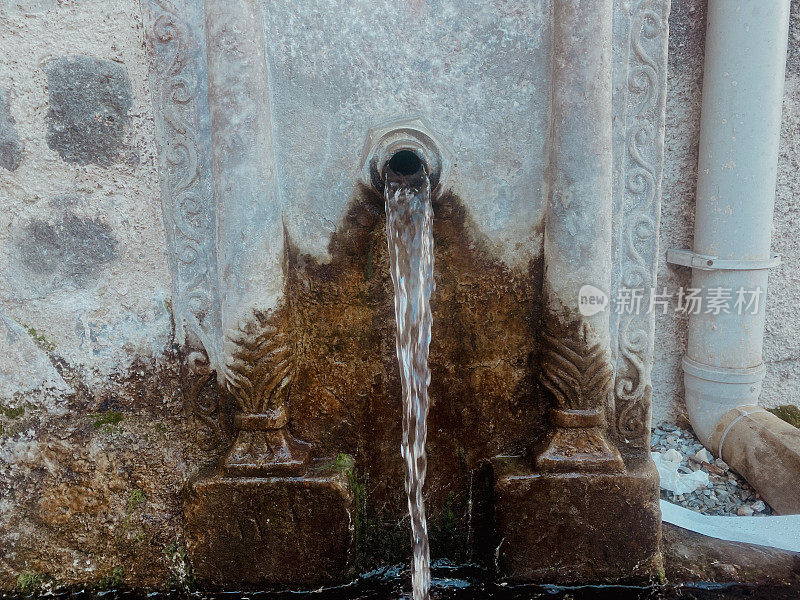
(579, 377)
(261, 366)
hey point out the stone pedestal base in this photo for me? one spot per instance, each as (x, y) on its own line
(251, 533)
(575, 528)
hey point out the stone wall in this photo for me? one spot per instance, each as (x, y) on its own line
(782, 338)
(90, 425)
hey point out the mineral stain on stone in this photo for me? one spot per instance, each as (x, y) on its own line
(89, 104)
(10, 145)
(346, 395)
(74, 247)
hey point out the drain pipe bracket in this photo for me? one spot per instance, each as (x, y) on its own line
(704, 262)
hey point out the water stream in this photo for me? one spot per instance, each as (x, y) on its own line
(409, 232)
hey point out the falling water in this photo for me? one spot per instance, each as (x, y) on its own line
(409, 231)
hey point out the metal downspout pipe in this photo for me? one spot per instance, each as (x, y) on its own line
(745, 59)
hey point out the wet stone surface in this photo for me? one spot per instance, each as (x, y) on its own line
(458, 583)
(346, 395)
(10, 145)
(301, 528)
(727, 493)
(89, 104)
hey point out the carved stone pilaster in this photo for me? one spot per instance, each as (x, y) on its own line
(176, 51)
(576, 360)
(257, 356)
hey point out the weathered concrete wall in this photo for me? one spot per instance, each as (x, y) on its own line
(782, 339)
(82, 241)
(89, 418)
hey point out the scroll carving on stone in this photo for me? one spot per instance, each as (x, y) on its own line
(640, 209)
(202, 399)
(176, 48)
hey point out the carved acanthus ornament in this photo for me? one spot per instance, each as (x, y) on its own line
(578, 375)
(259, 376)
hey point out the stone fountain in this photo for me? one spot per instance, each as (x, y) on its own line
(546, 119)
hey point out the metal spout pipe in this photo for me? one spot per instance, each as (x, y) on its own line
(404, 169)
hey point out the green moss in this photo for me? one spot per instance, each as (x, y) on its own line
(360, 506)
(40, 339)
(29, 582)
(7, 412)
(366, 529)
(107, 420)
(448, 531)
(448, 520)
(788, 413)
(161, 428)
(8, 431)
(369, 265)
(12, 413)
(113, 580)
(379, 540)
(182, 573)
(343, 462)
(136, 498)
(138, 539)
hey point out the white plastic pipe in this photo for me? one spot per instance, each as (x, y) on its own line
(745, 60)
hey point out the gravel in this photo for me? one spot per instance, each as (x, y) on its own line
(727, 493)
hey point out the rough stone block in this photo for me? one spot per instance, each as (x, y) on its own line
(89, 104)
(250, 533)
(574, 528)
(64, 250)
(10, 145)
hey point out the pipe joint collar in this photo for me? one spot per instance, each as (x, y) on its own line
(698, 370)
(713, 391)
(706, 262)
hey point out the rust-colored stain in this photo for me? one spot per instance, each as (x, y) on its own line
(346, 396)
